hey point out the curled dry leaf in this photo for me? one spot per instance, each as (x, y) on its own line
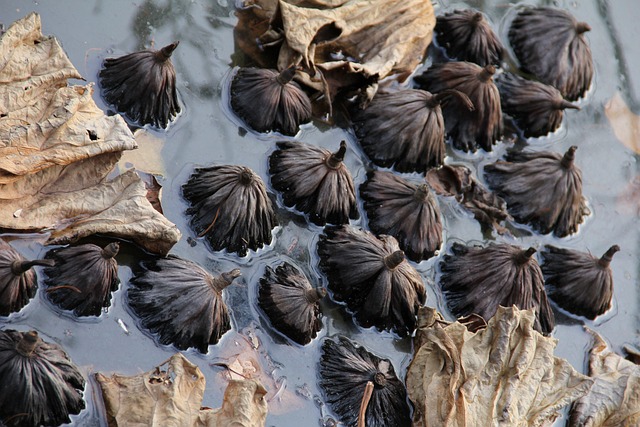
(58, 147)
(614, 398)
(505, 374)
(171, 394)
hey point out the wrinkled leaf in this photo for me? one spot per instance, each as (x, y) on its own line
(505, 374)
(171, 394)
(57, 148)
(614, 398)
(625, 124)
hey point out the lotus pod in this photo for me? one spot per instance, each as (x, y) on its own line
(40, 385)
(404, 210)
(181, 302)
(373, 277)
(536, 108)
(478, 280)
(315, 181)
(82, 278)
(142, 85)
(467, 36)
(542, 189)
(18, 281)
(550, 44)
(230, 208)
(405, 129)
(268, 100)
(469, 130)
(345, 370)
(579, 282)
(291, 304)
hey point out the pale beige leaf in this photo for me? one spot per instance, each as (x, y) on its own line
(504, 375)
(244, 405)
(148, 156)
(625, 124)
(614, 398)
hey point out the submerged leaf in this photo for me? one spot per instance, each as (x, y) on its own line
(505, 374)
(624, 122)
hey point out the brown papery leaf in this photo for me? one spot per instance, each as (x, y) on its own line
(57, 148)
(614, 398)
(505, 374)
(171, 394)
(625, 124)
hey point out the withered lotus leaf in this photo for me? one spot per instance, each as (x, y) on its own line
(372, 277)
(405, 129)
(543, 189)
(614, 398)
(479, 280)
(536, 108)
(39, 384)
(550, 44)
(142, 85)
(345, 370)
(467, 36)
(230, 208)
(579, 282)
(505, 374)
(18, 281)
(268, 100)
(82, 277)
(315, 181)
(181, 302)
(469, 130)
(404, 210)
(291, 303)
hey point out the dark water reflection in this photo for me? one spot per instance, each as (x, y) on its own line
(208, 133)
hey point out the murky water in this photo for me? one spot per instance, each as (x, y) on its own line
(208, 133)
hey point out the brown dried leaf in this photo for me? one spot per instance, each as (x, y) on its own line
(614, 398)
(172, 395)
(625, 124)
(505, 374)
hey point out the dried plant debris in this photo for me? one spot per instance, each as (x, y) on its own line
(230, 208)
(478, 280)
(268, 100)
(345, 370)
(579, 282)
(404, 129)
(469, 130)
(347, 46)
(466, 35)
(614, 398)
(82, 278)
(315, 181)
(550, 44)
(372, 277)
(291, 303)
(40, 384)
(142, 85)
(543, 189)
(404, 210)
(181, 302)
(458, 181)
(172, 393)
(505, 374)
(18, 280)
(58, 149)
(536, 108)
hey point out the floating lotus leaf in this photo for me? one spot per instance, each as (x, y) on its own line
(543, 189)
(345, 370)
(479, 280)
(579, 282)
(181, 302)
(551, 45)
(82, 278)
(142, 85)
(404, 210)
(315, 181)
(290, 303)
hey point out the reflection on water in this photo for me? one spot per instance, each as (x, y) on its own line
(207, 133)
